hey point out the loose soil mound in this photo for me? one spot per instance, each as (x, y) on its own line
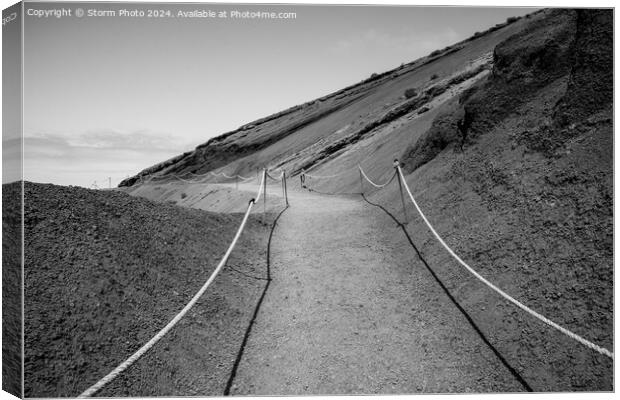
(105, 271)
(11, 288)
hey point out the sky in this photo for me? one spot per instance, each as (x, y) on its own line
(109, 96)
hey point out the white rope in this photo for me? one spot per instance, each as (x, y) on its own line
(175, 176)
(243, 178)
(260, 189)
(134, 357)
(279, 178)
(525, 308)
(216, 175)
(375, 184)
(333, 176)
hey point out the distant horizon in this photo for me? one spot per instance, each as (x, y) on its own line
(140, 91)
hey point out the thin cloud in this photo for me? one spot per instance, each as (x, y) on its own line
(143, 140)
(80, 159)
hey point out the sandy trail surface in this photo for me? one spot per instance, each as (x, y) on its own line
(352, 310)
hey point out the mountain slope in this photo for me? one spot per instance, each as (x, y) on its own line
(298, 136)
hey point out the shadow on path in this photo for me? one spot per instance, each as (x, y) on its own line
(248, 331)
(514, 372)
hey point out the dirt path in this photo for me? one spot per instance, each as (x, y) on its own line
(351, 310)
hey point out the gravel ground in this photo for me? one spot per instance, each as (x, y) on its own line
(105, 271)
(11, 289)
(352, 310)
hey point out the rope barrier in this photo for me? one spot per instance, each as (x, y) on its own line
(398, 173)
(348, 171)
(215, 174)
(522, 306)
(332, 176)
(238, 176)
(279, 178)
(363, 173)
(175, 176)
(186, 180)
(378, 186)
(134, 357)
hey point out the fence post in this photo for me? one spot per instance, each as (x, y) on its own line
(285, 188)
(400, 186)
(282, 184)
(264, 193)
(361, 180)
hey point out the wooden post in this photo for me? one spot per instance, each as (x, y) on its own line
(400, 186)
(285, 189)
(361, 181)
(264, 193)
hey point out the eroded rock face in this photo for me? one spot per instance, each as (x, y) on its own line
(523, 65)
(571, 45)
(538, 54)
(590, 86)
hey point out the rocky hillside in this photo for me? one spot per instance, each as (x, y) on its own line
(569, 49)
(105, 271)
(517, 174)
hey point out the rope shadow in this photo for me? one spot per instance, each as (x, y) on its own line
(248, 331)
(469, 319)
(258, 278)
